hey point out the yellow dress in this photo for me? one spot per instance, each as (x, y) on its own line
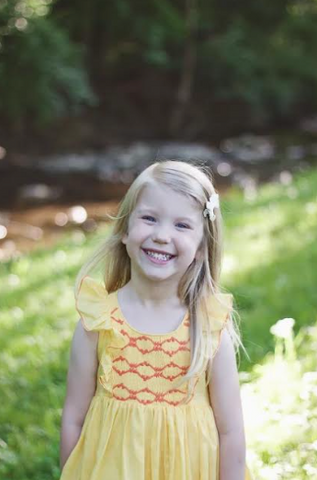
(136, 427)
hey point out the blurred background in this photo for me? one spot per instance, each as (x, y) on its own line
(93, 92)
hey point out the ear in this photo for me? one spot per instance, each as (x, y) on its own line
(198, 255)
(124, 239)
(199, 252)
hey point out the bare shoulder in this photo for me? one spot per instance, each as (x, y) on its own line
(81, 379)
(84, 349)
(224, 388)
(225, 355)
(85, 337)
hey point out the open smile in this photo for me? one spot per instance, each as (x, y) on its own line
(158, 257)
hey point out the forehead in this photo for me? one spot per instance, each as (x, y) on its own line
(163, 198)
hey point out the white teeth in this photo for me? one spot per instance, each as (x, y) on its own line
(158, 256)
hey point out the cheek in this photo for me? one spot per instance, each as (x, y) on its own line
(139, 232)
(187, 245)
(190, 244)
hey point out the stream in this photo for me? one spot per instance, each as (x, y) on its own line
(43, 198)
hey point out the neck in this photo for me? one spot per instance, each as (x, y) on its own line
(153, 293)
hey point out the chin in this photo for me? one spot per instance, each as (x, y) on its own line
(157, 277)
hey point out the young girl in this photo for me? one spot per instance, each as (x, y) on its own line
(153, 391)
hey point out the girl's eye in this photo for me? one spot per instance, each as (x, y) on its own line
(183, 225)
(149, 218)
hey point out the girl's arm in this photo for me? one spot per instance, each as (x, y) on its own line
(81, 386)
(225, 399)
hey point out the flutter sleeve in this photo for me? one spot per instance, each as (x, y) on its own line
(219, 307)
(218, 310)
(95, 307)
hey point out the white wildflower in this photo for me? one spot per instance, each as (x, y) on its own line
(283, 328)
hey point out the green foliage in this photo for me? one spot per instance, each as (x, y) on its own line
(280, 403)
(37, 320)
(41, 75)
(270, 67)
(271, 237)
(260, 53)
(269, 266)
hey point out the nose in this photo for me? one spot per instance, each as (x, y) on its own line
(161, 235)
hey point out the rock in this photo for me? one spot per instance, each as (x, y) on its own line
(115, 162)
(309, 124)
(189, 151)
(66, 163)
(249, 148)
(295, 152)
(38, 193)
(313, 149)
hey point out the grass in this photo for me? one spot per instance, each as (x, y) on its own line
(271, 251)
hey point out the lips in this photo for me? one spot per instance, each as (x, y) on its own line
(158, 254)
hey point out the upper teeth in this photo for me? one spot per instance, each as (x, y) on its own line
(160, 256)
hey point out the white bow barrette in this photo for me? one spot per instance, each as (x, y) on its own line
(210, 205)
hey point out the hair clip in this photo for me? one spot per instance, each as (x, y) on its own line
(210, 205)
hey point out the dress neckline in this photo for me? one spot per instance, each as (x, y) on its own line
(173, 332)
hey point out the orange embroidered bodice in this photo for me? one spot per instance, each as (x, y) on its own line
(140, 367)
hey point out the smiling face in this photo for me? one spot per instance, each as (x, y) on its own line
(164, 234)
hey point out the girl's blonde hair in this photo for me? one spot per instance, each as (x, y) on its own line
(201, 278)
